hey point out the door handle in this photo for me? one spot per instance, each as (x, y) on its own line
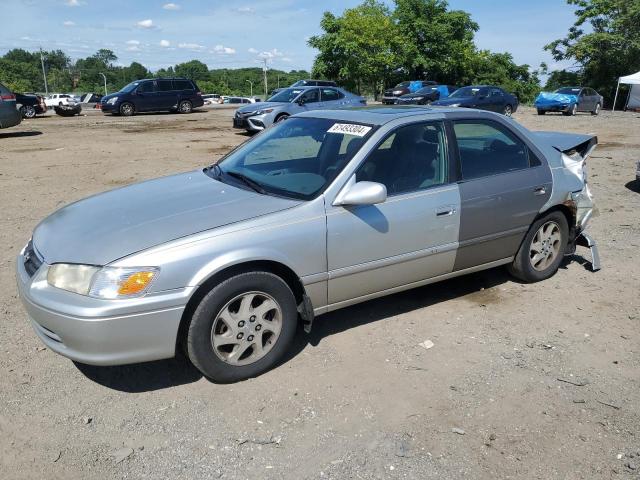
(445, 211)
(539, 191)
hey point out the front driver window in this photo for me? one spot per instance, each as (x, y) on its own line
(413, 157)
(146, 87)
(311, 96)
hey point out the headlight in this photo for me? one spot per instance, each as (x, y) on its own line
(112, 100)
(417, 98)
(105, 282)
(262, 112)
(454, 105)
(397, 92)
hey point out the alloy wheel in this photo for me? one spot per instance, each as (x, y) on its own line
(545, 246)
(246, 328)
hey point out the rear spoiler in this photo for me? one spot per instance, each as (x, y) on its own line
(569, 143)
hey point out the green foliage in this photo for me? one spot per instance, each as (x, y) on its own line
(604, 41)
(562, 78)
(371, 46)
(21, 71)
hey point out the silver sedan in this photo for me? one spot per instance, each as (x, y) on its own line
(290, 101)
(325, 210)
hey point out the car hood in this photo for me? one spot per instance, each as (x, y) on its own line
(261, 106)
(114, 224)
(111, 95)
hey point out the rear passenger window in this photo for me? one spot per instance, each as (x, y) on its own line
(329, 94)
(165, 85)
(182, 85)
(413, 157)
(487, 148)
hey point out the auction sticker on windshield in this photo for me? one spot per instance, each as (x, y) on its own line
(349, 129)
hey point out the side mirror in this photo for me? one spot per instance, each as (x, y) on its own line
(300, 101)
(363, 193)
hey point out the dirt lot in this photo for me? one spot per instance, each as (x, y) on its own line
(358, 398)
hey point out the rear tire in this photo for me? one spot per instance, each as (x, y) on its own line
(127, 109)
(242, 327)
(541, 112)
(28, 111)
(542, 249)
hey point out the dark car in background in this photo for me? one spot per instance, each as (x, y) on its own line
(314, 83)
(482, 97)
(569, 101)
(154, 95)
(29, 104)
(426, 95)
(391, 95)
(9, 114)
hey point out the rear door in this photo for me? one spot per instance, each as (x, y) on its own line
(331, 98)
(410, 237)
(503, 187)
(497, 100)
(166, 95)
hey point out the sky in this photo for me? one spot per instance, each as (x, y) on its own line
(239, 33)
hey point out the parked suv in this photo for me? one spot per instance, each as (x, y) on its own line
(30, 105)
(154, 95)
(9, 114)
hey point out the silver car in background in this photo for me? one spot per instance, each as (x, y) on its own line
(325, 210)
(293, 100)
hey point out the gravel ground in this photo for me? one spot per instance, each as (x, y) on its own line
(523, 381)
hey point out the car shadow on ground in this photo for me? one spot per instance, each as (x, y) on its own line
(162, 374)
(633, 185)
(30, 133)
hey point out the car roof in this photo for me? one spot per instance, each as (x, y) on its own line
(379, 115)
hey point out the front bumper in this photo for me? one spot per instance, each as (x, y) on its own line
(554, 108)
(109, 107)
(101, 332)
(252, 123)
(389, 100)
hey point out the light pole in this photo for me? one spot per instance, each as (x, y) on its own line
(105, 82)
(44, 74)
(251, 84)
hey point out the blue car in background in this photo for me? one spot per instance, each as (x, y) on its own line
(482, 97)
(426, 95)
(569, 101)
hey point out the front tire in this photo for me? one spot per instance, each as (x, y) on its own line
(542, 249)
(185, 107)
(242, 327)
(572, 111)
(281, 118)
(508, 110)
(127, 109)
(597, 110)
(541, 112)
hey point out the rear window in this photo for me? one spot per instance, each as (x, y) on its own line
(182, 85)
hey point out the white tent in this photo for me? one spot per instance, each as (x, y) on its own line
(634, 91)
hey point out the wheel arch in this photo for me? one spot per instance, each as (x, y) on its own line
(277, 268)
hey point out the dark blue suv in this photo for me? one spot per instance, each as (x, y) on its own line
(154, 95)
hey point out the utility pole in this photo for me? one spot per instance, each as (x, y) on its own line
(44, 74)
(264, 71)
(251, 83)
(105, 82)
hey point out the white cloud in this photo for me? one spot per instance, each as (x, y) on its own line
(133, 48)
(246, 10)
(224, 50)
(133, 42)
(171, 6)
(69, 23)
(252, 50)
(165, 43)
(190, 46)
(148, 23)
(271, 54)
(73, 3)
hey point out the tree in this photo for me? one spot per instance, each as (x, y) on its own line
(436, 42)
(607, 50)
(361, 47)
(195, 70)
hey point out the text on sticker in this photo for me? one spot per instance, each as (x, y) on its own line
(349, 129)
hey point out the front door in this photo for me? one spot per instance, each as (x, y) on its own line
(411, 236)
(503, 187)
(166, 96)
(146, 96)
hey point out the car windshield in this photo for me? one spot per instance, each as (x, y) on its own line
(568, 91)
(425, 90)
(466, 92)
(287, 95)
(130, 88)
(297, 158)
(402, 85)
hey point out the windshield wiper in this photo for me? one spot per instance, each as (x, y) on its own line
(247, 181)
